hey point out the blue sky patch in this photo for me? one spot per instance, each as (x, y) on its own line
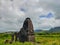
(49, 15)
(22, 9)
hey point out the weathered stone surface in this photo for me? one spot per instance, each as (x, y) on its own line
(26, 33)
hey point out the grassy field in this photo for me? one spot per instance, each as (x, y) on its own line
(43, 38)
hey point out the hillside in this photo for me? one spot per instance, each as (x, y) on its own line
(56, 29)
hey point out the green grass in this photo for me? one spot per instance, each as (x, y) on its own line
(44, 39)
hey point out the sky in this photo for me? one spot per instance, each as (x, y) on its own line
(45, 14)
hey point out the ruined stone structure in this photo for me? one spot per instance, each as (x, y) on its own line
(26, 33)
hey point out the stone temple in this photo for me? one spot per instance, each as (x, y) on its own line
(26, 33)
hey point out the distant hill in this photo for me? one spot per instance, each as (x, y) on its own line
(9, 31)
(40, 31)
(37, 30)
(52, 30)
(56, 29)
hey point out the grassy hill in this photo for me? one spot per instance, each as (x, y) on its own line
(43, 38)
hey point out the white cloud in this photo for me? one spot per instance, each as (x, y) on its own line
(12, 17)
(39, 10)
(57, 23)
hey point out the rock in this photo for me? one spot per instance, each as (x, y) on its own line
(10, 42)
(6, 41)
(26, 33)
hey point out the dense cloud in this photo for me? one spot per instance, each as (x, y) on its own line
(14, 12)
